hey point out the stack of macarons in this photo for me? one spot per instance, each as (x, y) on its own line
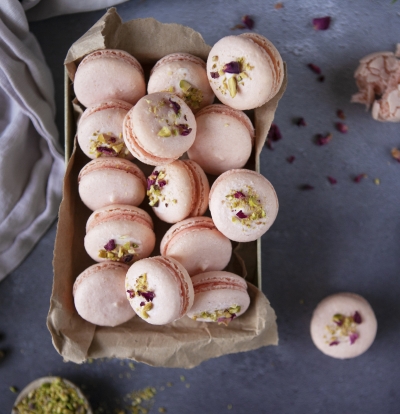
(177, 117)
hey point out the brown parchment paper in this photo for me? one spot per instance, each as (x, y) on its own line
(184, 343)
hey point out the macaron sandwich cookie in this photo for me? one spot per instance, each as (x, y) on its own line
(224, 139)
(219, 297)
(243, 204)
(197, 245)
(343, 325)
(178, 190)
(119, 233)
(159, 128)
(159, 290)
(107, 181)
(100, 130)
(109, 74)
(184, 75)
(99, 294)
(245, 71)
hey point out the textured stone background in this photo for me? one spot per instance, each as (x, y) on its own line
(335, 238)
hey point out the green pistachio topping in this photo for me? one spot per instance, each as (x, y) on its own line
(192, 96)
(121, 253)
(107, 144)
(232, 86)
(165, 132)
(52, 397)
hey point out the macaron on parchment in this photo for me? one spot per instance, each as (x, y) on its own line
(343, 325)
(243, 204)
(178, 190)
(185, 76)
(109, 74)
(107, 181)
(99, 294)
(119, 233)
(159, 128)
(224, 139)
(219, 297)
(197, 245)
(100, 130)
(159, 289)
(245, 71)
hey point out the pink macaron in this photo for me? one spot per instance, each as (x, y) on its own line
(218, 297)
(224, 139)
(120, 233)
(243, 204)
(109, 74)
(343, 325)
(185, 76)
(245, 71)
(197, 245)
(107, 181)
(159, 128)
(100, 130)
(178, 190)
(159, 290)
(99, 294)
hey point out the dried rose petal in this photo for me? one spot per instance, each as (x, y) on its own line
(306, 187)
(268, 144)
(241, 215)
(357, 317)
(334, 343)
(248, 21)
(113, 140)
(290, 159)
(332, 180)
(150, 183)
(396, 154)
(106, 150)
(214, 75)
(274, 133)
(340, 114)
(316, 69)
(239, 194)
(184, 129)
(323, 140)
(142, 303)
(110, 245)
(131, 293)
(321, 78)
(341, 127)
(127, 258)
(232, 67)
(353, 337)
(301, 122)
(149, 296)
(161, 183)
(359, 177)
(175, 106)
(321, 23)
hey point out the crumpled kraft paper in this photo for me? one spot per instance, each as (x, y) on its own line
(184, 343)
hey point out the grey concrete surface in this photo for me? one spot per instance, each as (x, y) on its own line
(334, 238)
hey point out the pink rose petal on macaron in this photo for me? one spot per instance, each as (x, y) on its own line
(232, 67)
(357, 317)
(239, 194)
(248, 21)
(149, 296)
(110, 245)
(353, 337)
(131, 293)
(334, 343)
(142, 303)
(322, 23)
(106, 150)
(214, 75)
(127, 258)
(175, 106)
(184, 129)
(241, 215)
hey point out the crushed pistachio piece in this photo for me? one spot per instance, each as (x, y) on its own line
(191, 95)
(214, 58)
(184, 85)
(164, 132)
(232, 86)
(53, 397)
(146, 308)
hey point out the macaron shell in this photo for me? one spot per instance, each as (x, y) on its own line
(154, 112)
(225, 216)
(223, 139)
(99, 295)
(109, 74)
(172, 287)
(177, 196)
(218, 291)
(260, 84)
(105, 118)
(171, 69)
(121, 225)
(201, 189)
(107, 181)
(197, 245)
(345, 304)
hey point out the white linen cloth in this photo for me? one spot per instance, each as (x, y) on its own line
(31, 161)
